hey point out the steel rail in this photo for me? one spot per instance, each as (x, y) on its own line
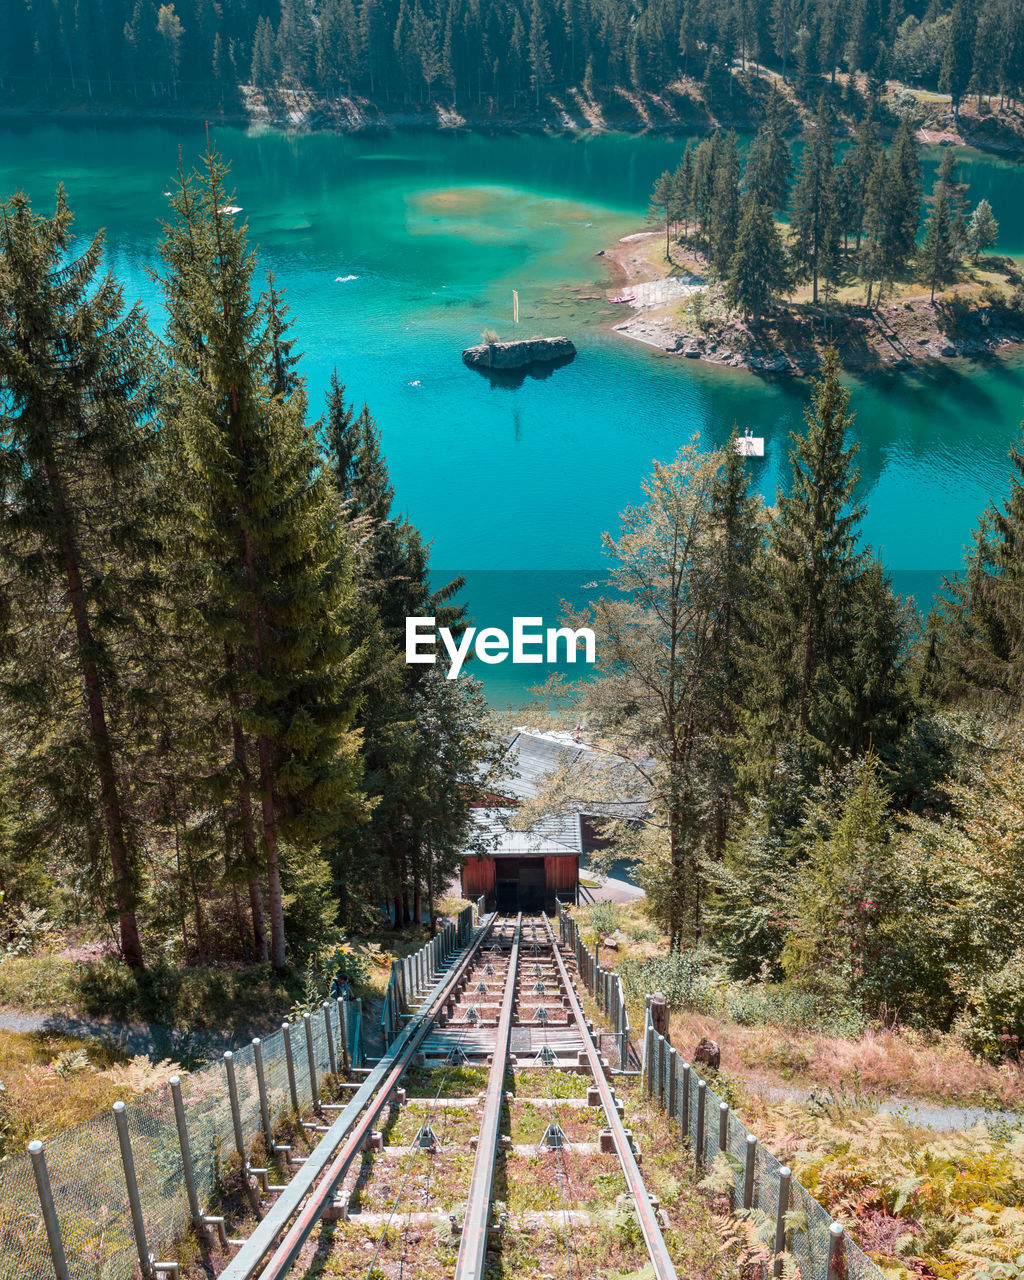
(361, 1112)
(473, 1246)
(664, 1268)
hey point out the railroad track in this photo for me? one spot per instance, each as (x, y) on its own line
(491, 1119)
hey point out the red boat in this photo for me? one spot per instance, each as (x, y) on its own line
(626, 297)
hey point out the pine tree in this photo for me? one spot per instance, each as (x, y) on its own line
(982, 230)
(757, 269)
(957, 61)
(662, 200)
(725, 204)
(937, 259)
(801, 629)
(394, 581)
(268, 533)
(76, 539)
(981, 620)
(769, 164)
(540, 54)
(815, 223)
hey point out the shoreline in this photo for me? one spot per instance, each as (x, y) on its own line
(896, 336)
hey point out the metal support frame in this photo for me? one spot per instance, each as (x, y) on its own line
(131, 1182)
(286, 1032)
(785, 1178)
(332, 1057)
(186, 1155)
(261, 1085)
(686, 1101)
(473, 1245)
(836, 1253)
(314, 1088)
(50, 1220)
(749, 1169)
(699, 1141)
(236, 1111)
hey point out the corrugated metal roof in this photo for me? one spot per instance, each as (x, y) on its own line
(554, 834)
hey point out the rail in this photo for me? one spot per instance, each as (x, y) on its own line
(647, 1214)
(350, 1131)
(473, 1246)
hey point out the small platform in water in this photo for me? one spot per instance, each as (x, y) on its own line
(750, 446)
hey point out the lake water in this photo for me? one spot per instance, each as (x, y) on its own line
(514, 485)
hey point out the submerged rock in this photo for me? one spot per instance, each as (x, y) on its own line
(520, 354)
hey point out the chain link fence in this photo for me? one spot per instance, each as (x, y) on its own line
(787, 1217)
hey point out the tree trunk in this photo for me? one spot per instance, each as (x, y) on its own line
(110, 799)
(259, 928)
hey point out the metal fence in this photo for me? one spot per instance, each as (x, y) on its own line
(107, 1199)
(787, 1216)
(412, 976)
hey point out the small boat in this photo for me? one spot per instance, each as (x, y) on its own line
(625, 297)
(589, 586)
(230, 209)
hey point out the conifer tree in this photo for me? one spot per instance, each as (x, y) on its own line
(957, 60)
(811, 570)
(814, 223)
(76, 539)
(394, 582)
(937, 259)
(769, 167)
(757, 269)
(981, 620)
(725, 204)
(267, 531)
(982, 230)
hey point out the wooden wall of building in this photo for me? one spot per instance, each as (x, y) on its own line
(477, 877)
(561, 873)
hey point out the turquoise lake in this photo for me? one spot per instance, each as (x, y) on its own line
(514, 486)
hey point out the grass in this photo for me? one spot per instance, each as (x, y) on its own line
(51, 1082)
(198, 998)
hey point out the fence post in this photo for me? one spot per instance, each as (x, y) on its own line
(261, 1085)
(649, 1059)
(134, 1203)
(346, 1052)
(190, 1175)
(53, 1236)
(660, 1091)
(749, 1165)
(836, 1253)
(332, 1057)
(702, 1090)
(785, 1175)
(307, 1025)
(686, 1102)
(358, 1037)
(673, 1068)
(286, 1031)
(723, 1126)
(236, 1114)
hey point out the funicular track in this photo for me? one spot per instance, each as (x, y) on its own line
(505, 1011)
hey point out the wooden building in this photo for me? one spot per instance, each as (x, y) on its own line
(522, 870)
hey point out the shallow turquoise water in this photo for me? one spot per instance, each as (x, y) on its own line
(437, 231)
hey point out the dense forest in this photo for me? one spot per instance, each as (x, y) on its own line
(395, 51)
(852, 217)
(211, 740)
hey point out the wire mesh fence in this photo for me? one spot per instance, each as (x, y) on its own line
(87, 1177)
(785, 1214)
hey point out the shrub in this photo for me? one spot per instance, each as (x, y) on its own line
(488, 336)
(601, 917)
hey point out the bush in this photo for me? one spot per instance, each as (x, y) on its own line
(993, 1023)
(601, 917)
